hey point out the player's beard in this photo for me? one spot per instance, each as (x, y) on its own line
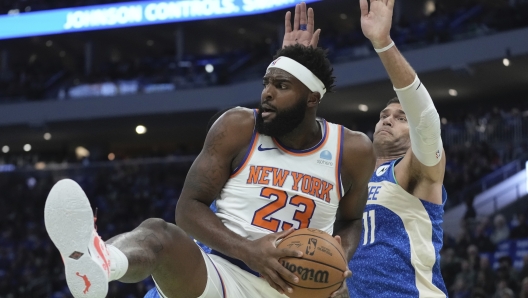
(284, 122)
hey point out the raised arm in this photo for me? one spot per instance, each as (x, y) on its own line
(425, 159)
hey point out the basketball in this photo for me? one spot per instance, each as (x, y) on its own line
(320, 270)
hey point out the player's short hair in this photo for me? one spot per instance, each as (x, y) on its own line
(314, 59)
(393, 100)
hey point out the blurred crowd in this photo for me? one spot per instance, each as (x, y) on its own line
(479, 142)
(42, 79)
(474, 265)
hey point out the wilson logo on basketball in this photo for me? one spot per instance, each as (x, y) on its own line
(319, 276)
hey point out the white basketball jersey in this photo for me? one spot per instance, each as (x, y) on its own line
(276, 188)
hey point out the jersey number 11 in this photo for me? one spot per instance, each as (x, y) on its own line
(369, 223)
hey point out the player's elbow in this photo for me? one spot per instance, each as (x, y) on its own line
(181, 212)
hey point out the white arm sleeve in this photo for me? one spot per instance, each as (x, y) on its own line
(424, 122)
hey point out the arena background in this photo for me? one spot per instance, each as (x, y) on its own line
(75, 104)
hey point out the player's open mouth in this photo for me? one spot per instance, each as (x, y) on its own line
(267, 112)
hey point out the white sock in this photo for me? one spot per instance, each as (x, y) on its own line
(118, 262)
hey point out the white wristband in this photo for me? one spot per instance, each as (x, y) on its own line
(385, 48)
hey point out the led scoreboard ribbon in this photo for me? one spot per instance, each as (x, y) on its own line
(128, 14)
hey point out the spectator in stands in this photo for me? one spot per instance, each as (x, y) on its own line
(506, 275)
(503, 291)
(523, 274)
(482, 240)
(450, 265)
(473, 257)
(485, 276)
(460, 289)
(466, 274)
(524, 289)
(521, 230)
(501, 231)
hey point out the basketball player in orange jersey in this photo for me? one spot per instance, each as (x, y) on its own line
(271, 171)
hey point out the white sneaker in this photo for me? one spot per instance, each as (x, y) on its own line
(70, 224)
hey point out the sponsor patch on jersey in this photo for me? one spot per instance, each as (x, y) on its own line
(381, 170)
(326, 155)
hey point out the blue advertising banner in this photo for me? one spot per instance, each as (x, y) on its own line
(128, 14)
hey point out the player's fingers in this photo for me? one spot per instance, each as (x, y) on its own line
(390, 4)
(363, 5)
(287, 252)
(273, 284)
(311, 20)
(283, 234)
(287, 22)
(338, 239)
(275, 278)
(297, 17)
(315, 38)
(286, 274)
(303, 18)
(347, 274)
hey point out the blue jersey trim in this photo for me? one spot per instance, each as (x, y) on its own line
(236, 262)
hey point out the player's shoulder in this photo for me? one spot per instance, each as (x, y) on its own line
(358, 152)
(235, 125)
(243, 119)
(355, 141)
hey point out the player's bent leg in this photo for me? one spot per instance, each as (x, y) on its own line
(164, 251)
(155, 247)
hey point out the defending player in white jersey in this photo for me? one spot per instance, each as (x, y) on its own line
(398, 255)
(275, 170)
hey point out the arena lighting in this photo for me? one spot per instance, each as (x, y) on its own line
(27, 147)
(47, 136)
(453, 92)
(209, 68)
(363, 108)
(81, 152)
(506, 62)
(5, 149)
(129, 14)
(140, 129)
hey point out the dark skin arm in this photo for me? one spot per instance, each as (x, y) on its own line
(357, 167)
(224, 147)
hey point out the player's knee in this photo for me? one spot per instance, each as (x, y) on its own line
(156, 225)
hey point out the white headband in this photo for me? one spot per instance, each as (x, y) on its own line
(302, 73)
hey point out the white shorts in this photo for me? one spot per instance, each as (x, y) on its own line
(226, 280)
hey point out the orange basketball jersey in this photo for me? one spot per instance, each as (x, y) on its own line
(276, 188)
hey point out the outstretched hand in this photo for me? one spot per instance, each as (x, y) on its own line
(303, 28)
(376, 22)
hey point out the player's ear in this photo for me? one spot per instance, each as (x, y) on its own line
(314, 98)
